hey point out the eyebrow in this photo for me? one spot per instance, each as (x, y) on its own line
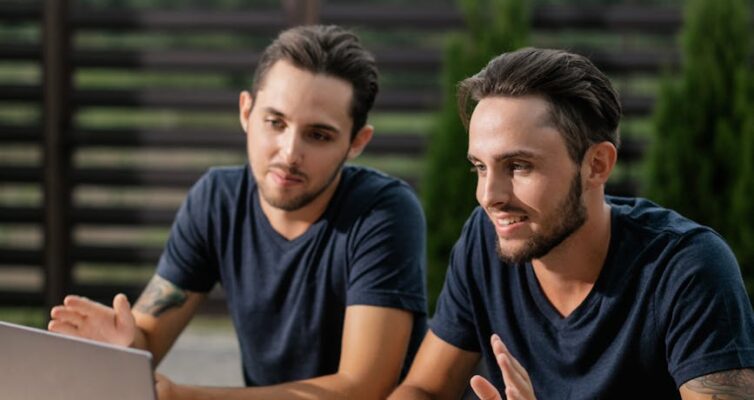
(508, 156)
(326, 127)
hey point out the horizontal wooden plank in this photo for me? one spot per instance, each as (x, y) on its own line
(382, 142)
(21, 215)
(20, 133)
(257, 21)
(17, 298)
(14, 256)
(123, 216)
(26, 11)
(17, 52)
(17, 174)
(395, 100)
(621, 18)
(426, 60)
(117, 254)
(168, 178)
(20, 92)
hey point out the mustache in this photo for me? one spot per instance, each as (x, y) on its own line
(288, 169)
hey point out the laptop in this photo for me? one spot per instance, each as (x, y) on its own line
(39, 365)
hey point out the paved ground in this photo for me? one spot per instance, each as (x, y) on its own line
(205, 354)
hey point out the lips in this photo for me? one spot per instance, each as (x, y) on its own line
(284, 178)
(507, 225)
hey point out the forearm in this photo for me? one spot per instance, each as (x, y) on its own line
(336, 386)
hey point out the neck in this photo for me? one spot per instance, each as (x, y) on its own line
(292, 224)
(567, 274)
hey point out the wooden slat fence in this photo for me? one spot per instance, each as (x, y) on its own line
(60, 134)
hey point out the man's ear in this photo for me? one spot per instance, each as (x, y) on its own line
(598, 164)
(360, 141)
(244, 109)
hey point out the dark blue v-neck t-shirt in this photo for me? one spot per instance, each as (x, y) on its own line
(287, 298)
(669, 306)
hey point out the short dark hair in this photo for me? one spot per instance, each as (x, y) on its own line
(584, 106)
(328, 50)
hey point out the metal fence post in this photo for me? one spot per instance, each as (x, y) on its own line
(56, 150)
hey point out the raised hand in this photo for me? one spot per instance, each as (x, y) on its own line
(517, 383)
(79, 316)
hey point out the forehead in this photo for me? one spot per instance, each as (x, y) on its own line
(502, 125)
(295, 91)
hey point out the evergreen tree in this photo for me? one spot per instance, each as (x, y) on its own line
(493, 27)
(696, 164)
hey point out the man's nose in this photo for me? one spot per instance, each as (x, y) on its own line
(494, 190)
(291, 147)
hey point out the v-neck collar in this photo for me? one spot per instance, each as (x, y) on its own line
(583, 310)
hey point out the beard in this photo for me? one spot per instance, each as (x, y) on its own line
(293, 203)
(567, 217)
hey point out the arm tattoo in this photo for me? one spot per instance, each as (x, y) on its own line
(159, 296)
(736, 384)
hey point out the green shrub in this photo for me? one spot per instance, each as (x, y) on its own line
(700, 162)
(493, 27)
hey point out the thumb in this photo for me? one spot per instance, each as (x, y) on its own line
(124, 320)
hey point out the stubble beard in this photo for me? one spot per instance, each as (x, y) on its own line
(297, 202)
(573, 214)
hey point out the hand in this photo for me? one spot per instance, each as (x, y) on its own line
(164, 387)
(79, 316)
(517, 383)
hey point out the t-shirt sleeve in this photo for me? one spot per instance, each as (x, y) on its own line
(453, 321)
(186, 260)
(387, 254)
(708, 317)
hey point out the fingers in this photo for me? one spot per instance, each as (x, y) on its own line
(82, 305)
(516, 379)
(498, 347)
(62, 327)
(484, 389)
(63, 314)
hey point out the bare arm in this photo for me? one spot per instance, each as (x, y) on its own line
(374, 346)
(161, 313)
(158, 317)
(440, 371)
(736, 384)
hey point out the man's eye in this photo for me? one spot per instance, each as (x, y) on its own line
(320, 137)
(520, 167)
(478, 168)
(274, 123)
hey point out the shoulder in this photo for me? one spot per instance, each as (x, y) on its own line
(365, 191)
(221, 182)
(647, 224)
(639, 213)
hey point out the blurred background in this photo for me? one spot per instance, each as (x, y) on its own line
(111, 109)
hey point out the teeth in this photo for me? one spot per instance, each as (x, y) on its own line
(510, 221)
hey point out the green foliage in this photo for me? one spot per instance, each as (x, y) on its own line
(494, 26)
(700, 163)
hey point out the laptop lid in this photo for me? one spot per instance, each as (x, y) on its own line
(36, 364)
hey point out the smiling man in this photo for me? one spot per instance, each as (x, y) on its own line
(322, 264)
(567, 293)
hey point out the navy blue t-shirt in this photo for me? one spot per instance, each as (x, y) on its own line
(287, 298)
(669, 306)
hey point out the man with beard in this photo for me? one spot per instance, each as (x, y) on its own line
(567, 293)
(322, 264)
